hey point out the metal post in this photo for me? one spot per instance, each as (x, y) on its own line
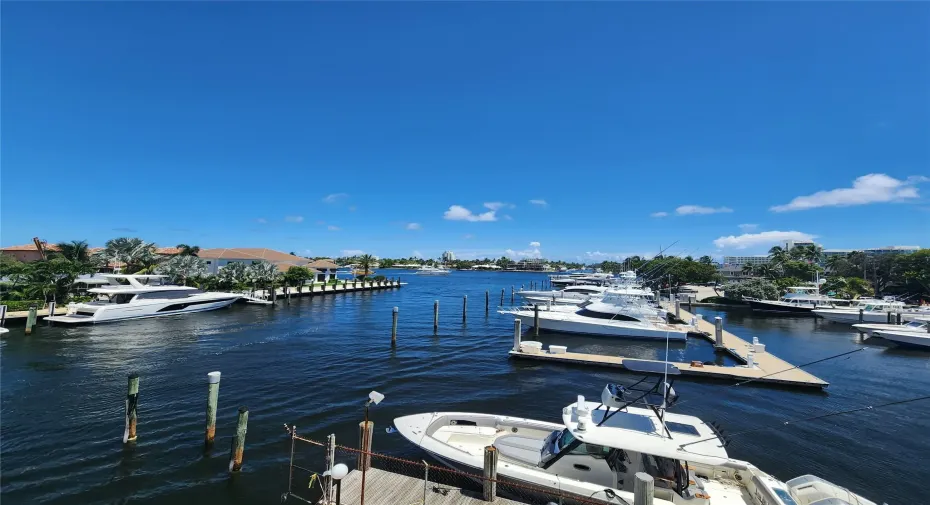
(30, 320)
(238, 441)
(213, 394)
(464, 307)
(535, 319)
(718, 330)
(517, 334)
(643, 489)
(132, 401)
(490, 473)
(394, 327)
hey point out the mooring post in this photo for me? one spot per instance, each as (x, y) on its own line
(464, 307)
(365, 430)
(677, 308)
(490, 473)
(535, 319)
(898, 318)
(890, 318)
(435, 315)
(511, 295)
(643, 489)
(861, 316)
(30, 319)
(3, 313)
(132, 402)
(517, 334)
(328, 467)
(487, 300)
(213, 394)
(238, 441)
(502, 297)
(51, 310)
(718, 331)
(394, 327)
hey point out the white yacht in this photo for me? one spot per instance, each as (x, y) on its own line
(873, 311)
(571, 295)
(597, 449)
(138, 296)
(906, 338)
(873, 329)
(431, 270)
(797, 300)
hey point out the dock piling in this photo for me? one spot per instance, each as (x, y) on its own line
(394, 327)
(501, 305)
(517, 334)
(861, 315)
(238, 441)
(30, 320)
(490, 473)
(535, 319)
(435, 316)
(464, 307)
(51, 310)
(678, 309)
(365, 430)
(898, 318)
(3, 311)
(718, 330)
(890, 318)
(213, 394)
(643, 489)
(132, 402)
(487, 301)
(511, 295)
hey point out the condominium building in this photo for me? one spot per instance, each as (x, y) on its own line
(759, 259)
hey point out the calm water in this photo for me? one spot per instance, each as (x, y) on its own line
(313, 362)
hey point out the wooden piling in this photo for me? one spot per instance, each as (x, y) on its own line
(502, 297)
(487, 301)
(51, 310)
(718, 330)
(464, 308)
(898, 318)
(490, 473)
(861, 315)
(30, 320)
(238, 441)
(132, 402)
(643, 489)
(3, 313)
(517, 334)
(535, 319)
(394, 327)
(435, 315)
(890, 318)
(365, 431)
(678, 309)
(511, 295)
(213, 394)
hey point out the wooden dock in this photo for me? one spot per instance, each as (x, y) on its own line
(319, 289)
(386, 488)
(767, 368)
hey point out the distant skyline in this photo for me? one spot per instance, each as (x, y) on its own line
(575, 131)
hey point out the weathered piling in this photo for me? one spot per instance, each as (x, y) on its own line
(365, 430)
(898, 318)
(435, 315)
(3, 312)
(643, 489)
(535, 319)
(490, 473)
(517, 334)
(238, 441)
(394, 327)
(890, 318)
(718, 330)
(132, 403)
(678, 309)
(464, 308)
(213, 394)
(861, 315)
(51, 310)
(511, 295)
(30, 319)
(502, 297)
(487, 301)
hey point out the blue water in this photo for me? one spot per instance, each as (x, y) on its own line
(312, 363)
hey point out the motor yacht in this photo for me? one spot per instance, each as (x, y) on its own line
(139, 296)
(597, 449)
(905, 338)
(873, 311)
(872, 329)
(431, 270)
(797, 300)
(571, 295)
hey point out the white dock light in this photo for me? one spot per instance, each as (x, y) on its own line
(340, 471)
(375, 397)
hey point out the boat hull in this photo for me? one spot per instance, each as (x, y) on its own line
(906, 339)
(123, 312)
(776, 307)
(604, 328)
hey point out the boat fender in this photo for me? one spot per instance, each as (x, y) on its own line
(390, 430)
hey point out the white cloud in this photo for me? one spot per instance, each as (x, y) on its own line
(468, 236)
(534, 244)
(499, 205)
(540, 202)
(414, 226)
(335, 197)
(686, 210)
(332, 228)
(765, 238)
(294, 219)
(871, 188)
(459, 213)
(352, 252)
(417, 254)
(527, 253)
(746, 228)
(658, 214)
(261, 220)
(609, 256)
(507, 217)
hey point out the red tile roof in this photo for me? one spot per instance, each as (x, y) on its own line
(239, 253)
(29, 247)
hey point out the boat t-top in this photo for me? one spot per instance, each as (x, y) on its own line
(597, 449)
(139, 296)
(431, 270)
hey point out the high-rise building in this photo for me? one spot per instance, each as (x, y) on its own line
(448, 256)
(791, 244)
(759, 259)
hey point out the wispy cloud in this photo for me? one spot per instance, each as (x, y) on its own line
(507, 217)
(261, 220)
(746, 228)
(294, 219)
(534, 244)
(414, 226)
(687, 210)
(352, 252)
(125, 230)
(332, 228)
(499, 205)
(468, 236)
(335, 197)
(765, 238)
(459, 213)
(526, 253)
(539, 202)
(658, 214)
(612, 256)
(871, 188)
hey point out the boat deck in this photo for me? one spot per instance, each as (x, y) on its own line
(767, 368)
(386, 488)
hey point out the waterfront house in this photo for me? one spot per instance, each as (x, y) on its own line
(27, 253)
(325, 268)
(217, 258)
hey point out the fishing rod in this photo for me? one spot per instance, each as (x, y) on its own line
(814, 418)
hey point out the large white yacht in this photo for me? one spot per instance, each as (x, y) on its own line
(571, 295)
(598, 448)
(797, 300)
(139, 296)
(873, 311)
(431, 270)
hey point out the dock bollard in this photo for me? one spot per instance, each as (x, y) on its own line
(677, 309)
(238, 441)
(132, 403)
(718, 331)
(394, 327)
(517, 334)
(213, 394)
(643, 489)
(435, 315)
(535, 319)
(487, 301)
(464, 307)
(365, 431)
(490, 473)
(30, 320)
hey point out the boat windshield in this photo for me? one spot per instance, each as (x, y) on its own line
(564, 440)
(915, 324)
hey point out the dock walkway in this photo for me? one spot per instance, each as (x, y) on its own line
(767, 367)
(316, 289)
(387, 488)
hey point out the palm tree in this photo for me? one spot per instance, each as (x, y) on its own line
(232, 276)
(263, 273)
(777, 255)
(747, 269)
(364, 262)
(136, 253)
(188, 250)
(765, 270)
(181, 268)
(75, 251)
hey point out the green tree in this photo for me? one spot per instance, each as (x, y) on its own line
(747, 269)
(297, 276)
(188, 250)
(365, 262)
(762, 289)
(182, 268)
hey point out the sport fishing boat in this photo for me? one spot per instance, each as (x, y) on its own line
(905, 338)
(797, 300)
(597, 449)
(571, 295)
(873, 311)
(431, 270)
(140, 296)
(873, 329)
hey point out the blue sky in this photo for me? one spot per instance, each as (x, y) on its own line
(475, 127)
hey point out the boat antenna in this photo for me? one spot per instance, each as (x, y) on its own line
(814, 418)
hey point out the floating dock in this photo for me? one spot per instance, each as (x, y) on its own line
(767, 368)
(387, 488)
